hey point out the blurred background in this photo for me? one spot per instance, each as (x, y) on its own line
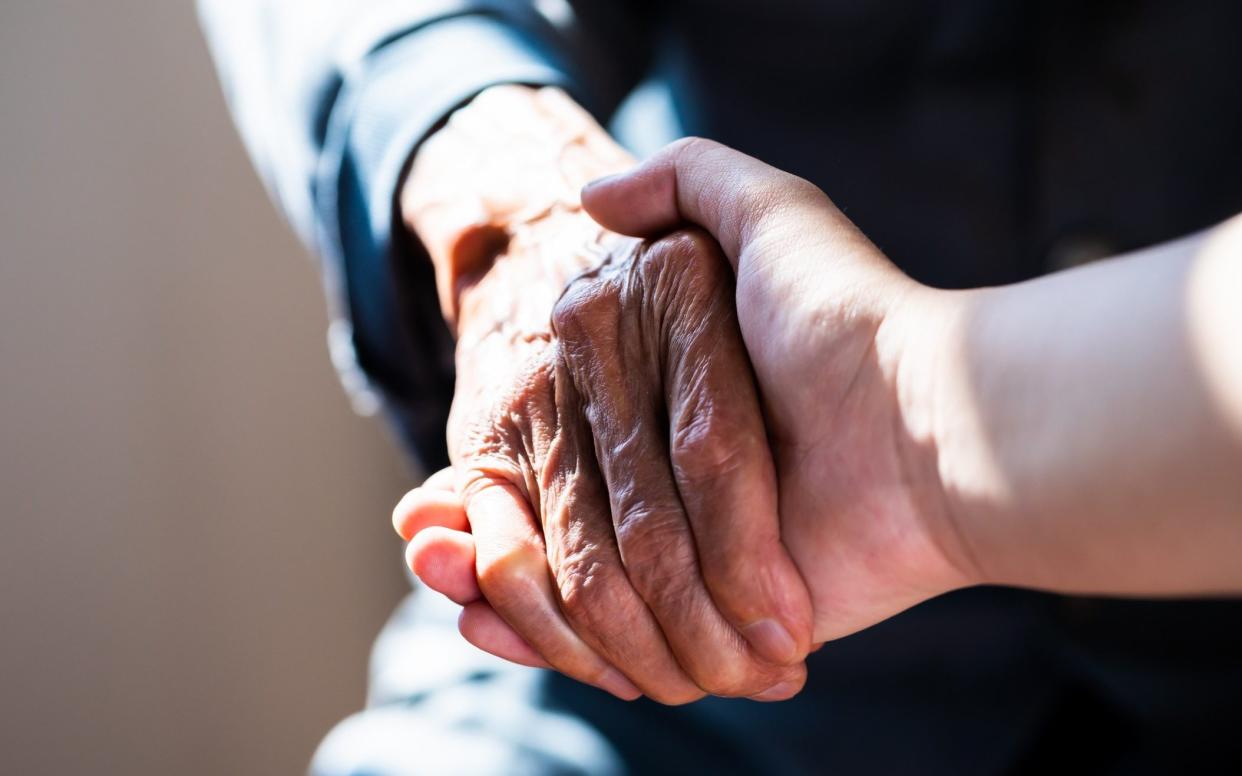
(196, 552)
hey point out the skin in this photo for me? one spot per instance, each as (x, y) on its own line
(606, 434)
(1081, 433)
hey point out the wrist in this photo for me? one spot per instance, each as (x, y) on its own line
(515, 296)
(511, 159)
(932, 330)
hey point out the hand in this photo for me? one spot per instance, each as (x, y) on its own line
(637, 406)
(842, 345)
(1078, 433)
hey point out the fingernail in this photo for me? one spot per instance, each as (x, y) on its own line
(599, 182)
(615, 682)
(772, 641)
(777, 692)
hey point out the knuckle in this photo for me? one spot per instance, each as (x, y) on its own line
(645, 529)
(702, 445)
(767, 196)
(488, 439)
(686, 265)
(772, 196)
(477, 477)
(661, 563)
(493, 464)
(727, 680)
(685, 250)
(690, 245)
(692, 146)
(650, 267)
(668, 587)
(509, 576)
(736, 678)
(585, 309)
(676, 696)
(796, 187)
(591, 590)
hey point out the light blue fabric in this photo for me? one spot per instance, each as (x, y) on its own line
(374, 126)
(437, 705)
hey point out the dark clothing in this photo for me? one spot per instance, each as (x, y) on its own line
(975, 142)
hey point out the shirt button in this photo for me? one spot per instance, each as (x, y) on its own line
(1078, 248)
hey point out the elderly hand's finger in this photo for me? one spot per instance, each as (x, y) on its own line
(428, 506)
(435, 502)
(481, 626)
(721, 459)
(512, 567)
(444, 479)
(444, 560)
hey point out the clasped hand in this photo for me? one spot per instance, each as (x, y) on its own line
(620, 446)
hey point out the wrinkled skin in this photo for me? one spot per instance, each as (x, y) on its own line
(606, 436)
(843, 349)
(617, 437)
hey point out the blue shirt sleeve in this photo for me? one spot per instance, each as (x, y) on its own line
(391, 346)
(331, 99)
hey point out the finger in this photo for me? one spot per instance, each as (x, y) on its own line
(512, 570)
(428, 506)
(479, 624)
(595, 593)
(444, 479)
(623, 404)
(731, 195)
(779, 692)
(720, 456)
(444, 560)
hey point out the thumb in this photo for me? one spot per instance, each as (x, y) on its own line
(733, 196)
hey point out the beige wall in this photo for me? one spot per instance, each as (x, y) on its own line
(195, 552)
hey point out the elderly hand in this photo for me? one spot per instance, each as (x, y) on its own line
(843, 346)
(606, 435)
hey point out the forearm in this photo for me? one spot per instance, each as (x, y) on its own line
(1089, 424)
